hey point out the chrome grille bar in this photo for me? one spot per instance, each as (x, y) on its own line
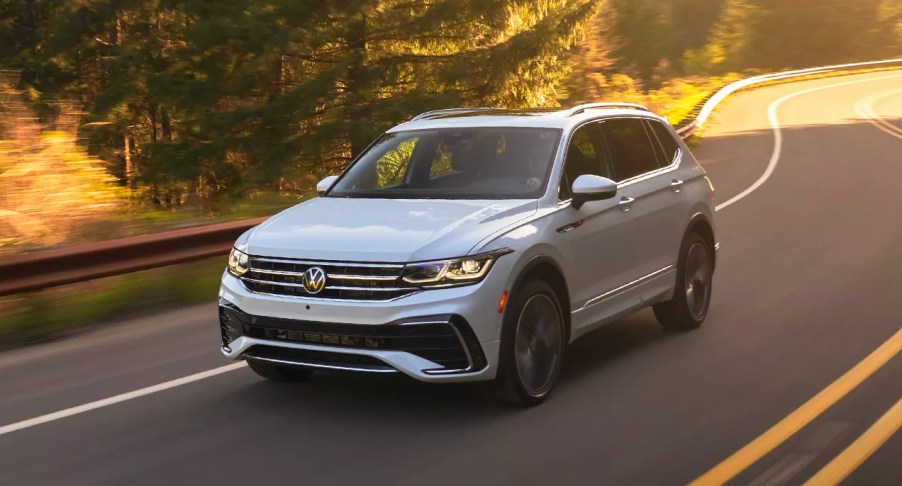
(344, 280)
(328, 264)
(382, 278)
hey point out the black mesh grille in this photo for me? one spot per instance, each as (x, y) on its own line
(438, 341)
(229, 327)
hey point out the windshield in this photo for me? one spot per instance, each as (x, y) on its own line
(453, 163)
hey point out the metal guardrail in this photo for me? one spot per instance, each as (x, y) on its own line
(686, 130)
(78, 263)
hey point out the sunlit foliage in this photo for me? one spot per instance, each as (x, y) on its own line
(204, 97)
(671, 54)
(202, 102)
(49, 186)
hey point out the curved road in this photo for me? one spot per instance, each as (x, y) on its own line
(809, 283)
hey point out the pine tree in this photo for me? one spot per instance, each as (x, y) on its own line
(776, 34)
(194, 95)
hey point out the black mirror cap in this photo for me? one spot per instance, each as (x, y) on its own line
(580, 199)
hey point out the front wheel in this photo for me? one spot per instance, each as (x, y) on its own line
(532, 346)
(692, 295)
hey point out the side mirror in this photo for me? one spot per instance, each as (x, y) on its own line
(589, 187)
(324, 185)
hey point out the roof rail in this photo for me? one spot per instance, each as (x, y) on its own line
(576, 110)
(450, 111)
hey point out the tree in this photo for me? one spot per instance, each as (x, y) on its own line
(199, 97)
(49, 187)
(592, 58)
(642, 34)
(776, 34)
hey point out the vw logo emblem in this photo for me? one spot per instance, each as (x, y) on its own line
(314, 280)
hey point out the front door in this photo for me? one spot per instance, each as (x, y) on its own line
(599, 240)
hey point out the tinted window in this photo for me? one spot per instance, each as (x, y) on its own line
(453, 163)
(670, 146)
(659, 152)
(391, 167)
(630, 148)
(585, 155)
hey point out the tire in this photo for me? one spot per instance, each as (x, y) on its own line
(688, 307)
(274, 372)
(533, 332)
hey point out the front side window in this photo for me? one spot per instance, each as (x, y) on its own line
(453, 163)
(391, 168)
(586, 154)
(631, 151)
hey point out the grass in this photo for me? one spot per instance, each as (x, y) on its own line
(53, 313)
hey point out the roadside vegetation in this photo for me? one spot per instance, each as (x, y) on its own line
(54, 313)
(122, 118)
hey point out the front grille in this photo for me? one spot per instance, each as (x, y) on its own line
(436, 342)
(444, 340)
(344, 280)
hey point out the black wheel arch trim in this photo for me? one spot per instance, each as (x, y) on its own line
(702, 218)
(533, 263)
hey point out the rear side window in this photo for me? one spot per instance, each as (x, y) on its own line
(630, 147)
(670, 146)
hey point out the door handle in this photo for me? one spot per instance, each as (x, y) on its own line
(676, 185)
(626, 202)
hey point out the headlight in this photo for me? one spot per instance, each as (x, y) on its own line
(237, 263)
(451, 272)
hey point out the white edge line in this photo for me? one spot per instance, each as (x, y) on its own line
(778, 135)
(106, 402)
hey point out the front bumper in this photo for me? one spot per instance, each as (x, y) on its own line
(415, 335)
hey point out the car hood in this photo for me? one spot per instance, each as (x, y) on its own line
(383, 230)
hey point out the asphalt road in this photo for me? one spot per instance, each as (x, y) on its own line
(809, 283)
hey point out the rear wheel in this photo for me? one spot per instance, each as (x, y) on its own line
(276, 372)
(532, 346)
(692, 295)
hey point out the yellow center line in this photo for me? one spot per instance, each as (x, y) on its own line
(802, 416)
(865, 108)
(863, 447)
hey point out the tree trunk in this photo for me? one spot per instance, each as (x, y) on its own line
(129, 168)
(166, 124)
(152, 114)
(283, 72)
(357, 85)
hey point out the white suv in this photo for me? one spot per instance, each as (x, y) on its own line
(473, 245)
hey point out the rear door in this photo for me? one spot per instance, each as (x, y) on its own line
(645, 195)
(683, 183)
